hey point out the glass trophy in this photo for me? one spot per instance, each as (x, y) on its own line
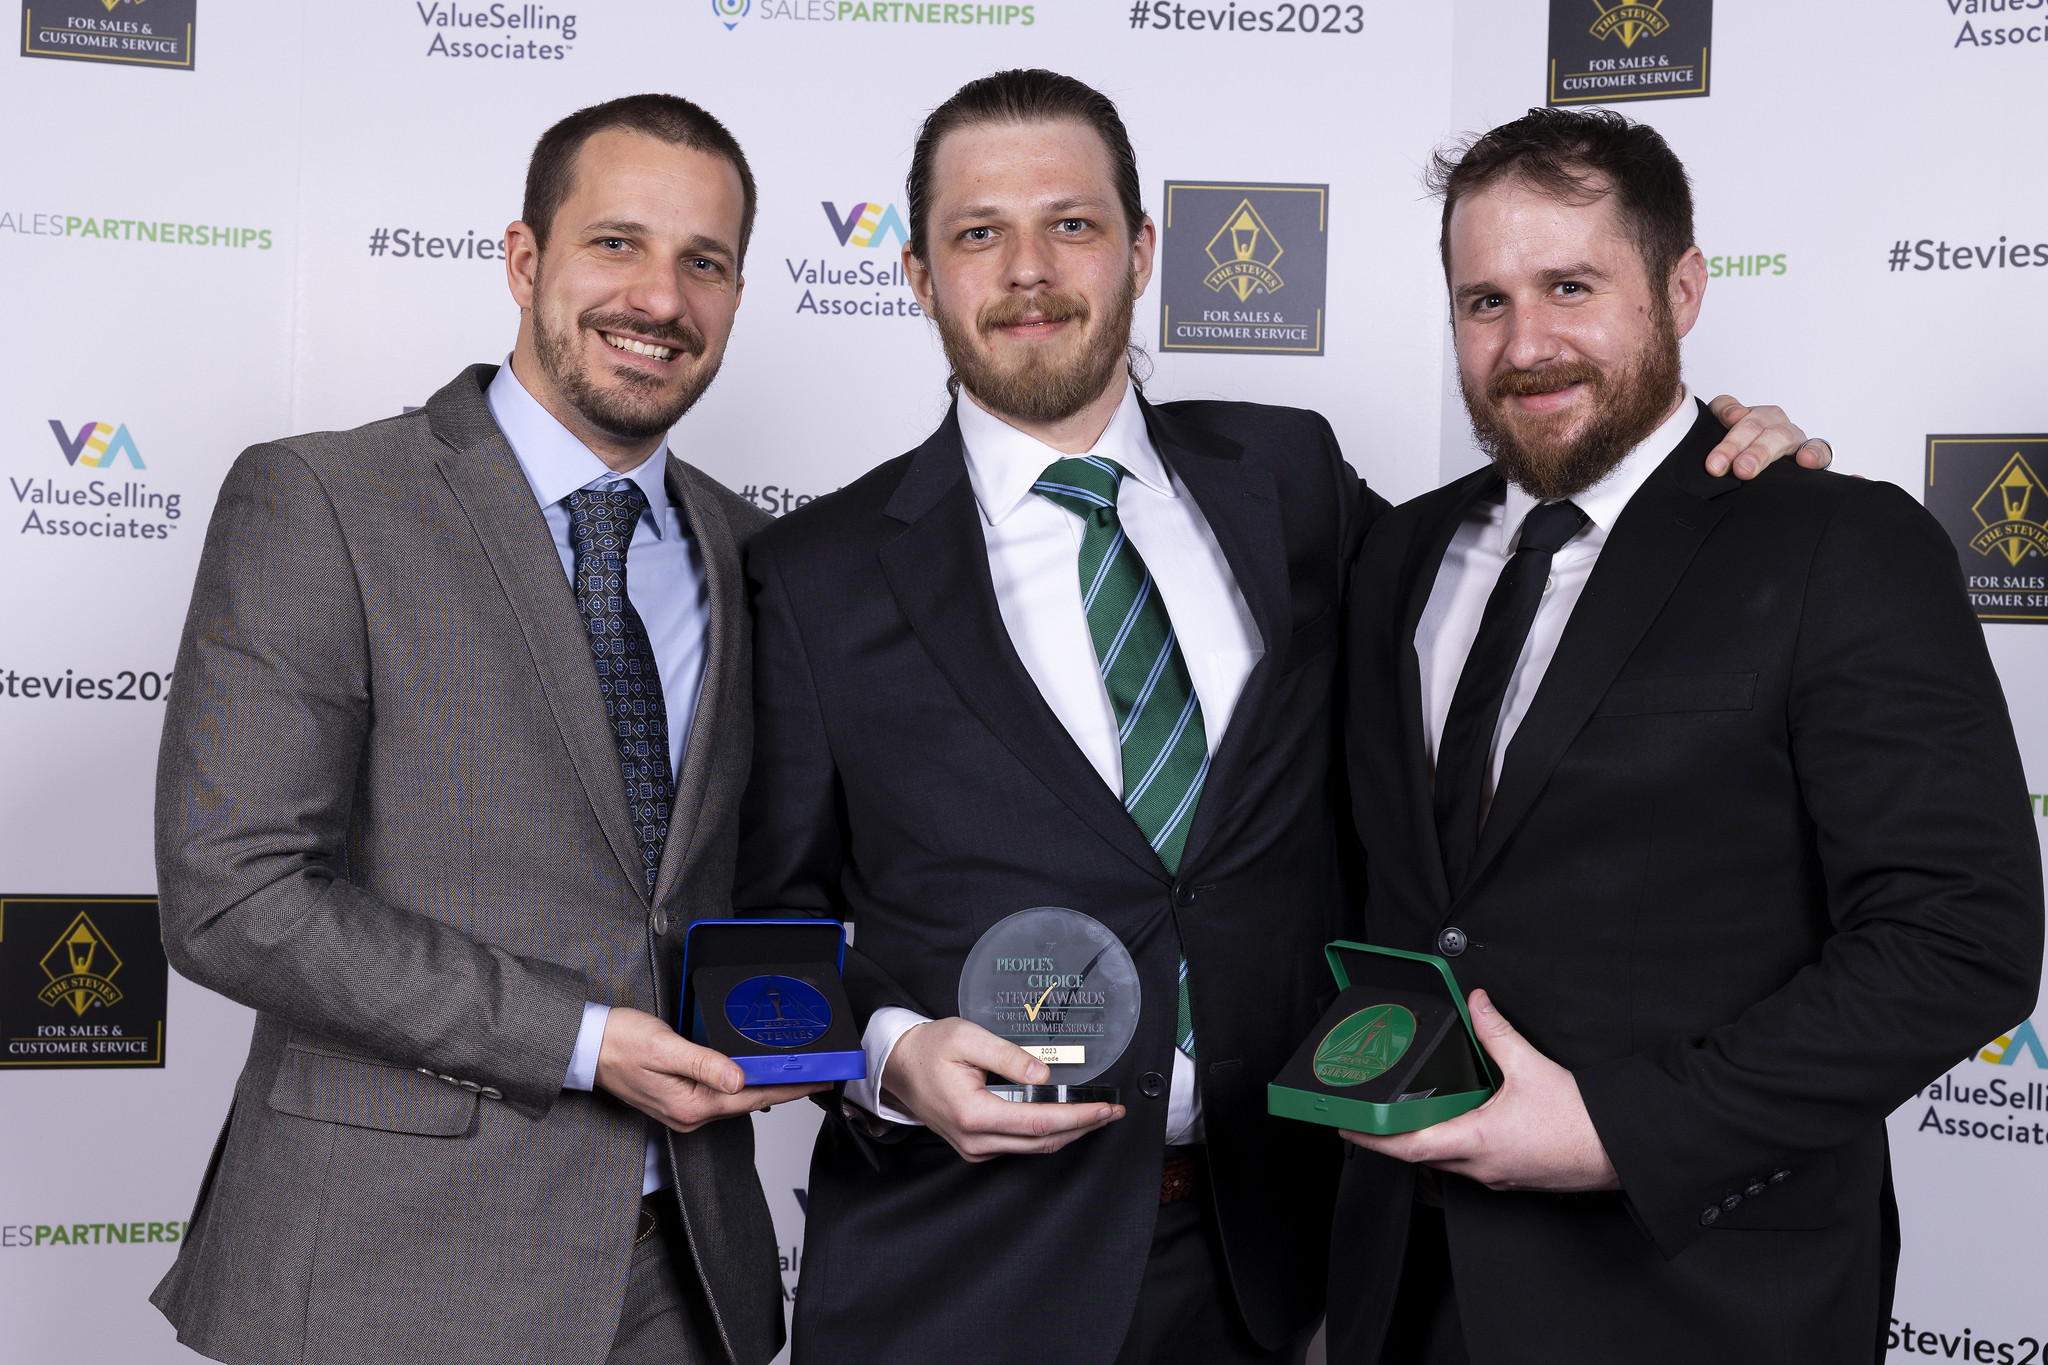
(1060, 985)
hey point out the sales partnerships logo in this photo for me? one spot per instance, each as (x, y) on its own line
(1244, 268)
(1603, 51)
(83, 981)
(1987, 493)
(21, 222)
(96, 509)
(925, 12)
(135, 1232)
(123, 32)
(865, 285)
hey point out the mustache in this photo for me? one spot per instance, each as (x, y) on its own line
(1047, 307)
(680, 335)
(1548, 379)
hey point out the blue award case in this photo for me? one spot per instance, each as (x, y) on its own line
(766, 993)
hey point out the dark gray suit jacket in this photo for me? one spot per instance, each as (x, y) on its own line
(390, 819)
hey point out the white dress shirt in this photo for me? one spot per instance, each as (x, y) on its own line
(1481, 547)
(666, 583)
(1034, 548)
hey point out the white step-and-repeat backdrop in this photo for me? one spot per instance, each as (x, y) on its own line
(225, 220)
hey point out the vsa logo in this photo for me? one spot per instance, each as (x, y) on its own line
(867, 225)
(2008, 1048)
(97, 445)
(879, 288)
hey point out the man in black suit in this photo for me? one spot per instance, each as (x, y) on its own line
(1709, 787)
(939, 744)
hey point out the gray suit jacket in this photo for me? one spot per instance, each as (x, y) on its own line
(389, 818)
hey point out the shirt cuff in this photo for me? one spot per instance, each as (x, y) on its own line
(589, 1038)
(887, 1025)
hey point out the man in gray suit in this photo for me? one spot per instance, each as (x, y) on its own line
(461, 719)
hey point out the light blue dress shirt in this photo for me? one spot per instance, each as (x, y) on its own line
(665, 581)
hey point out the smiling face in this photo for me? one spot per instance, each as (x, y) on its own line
(625, 314)
(1567, 351)
(1033, 270)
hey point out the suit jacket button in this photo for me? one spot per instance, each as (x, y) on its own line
(661, 924)
(1710, 1215)
(1756, 1187)
(472, 1086)
(1780, 1177)
(451, 1080)
(491, 1092)
(1153, 1084)
(1183, 895)
(1731, 1202)
(1451, 941)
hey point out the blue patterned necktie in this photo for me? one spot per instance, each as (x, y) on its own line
(601, 522)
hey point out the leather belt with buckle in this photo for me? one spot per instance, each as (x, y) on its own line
(1177, 1179)
(649, 1221)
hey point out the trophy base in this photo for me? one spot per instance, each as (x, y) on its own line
(1056, 1094)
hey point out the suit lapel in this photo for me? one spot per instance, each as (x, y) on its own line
(938, 571)
(1652, 543)
(1242, 507)
(724, 641)
(1418, 774)
(485, 478)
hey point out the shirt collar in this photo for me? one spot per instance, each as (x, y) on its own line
(1003, 462)
(554, 462)
(1604, 501)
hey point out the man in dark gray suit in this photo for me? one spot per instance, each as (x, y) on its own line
(442, 782)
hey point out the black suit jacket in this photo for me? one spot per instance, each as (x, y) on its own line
(1760, 864)
(909, 776)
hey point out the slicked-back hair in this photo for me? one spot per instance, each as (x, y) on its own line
(1578, 156)
(551, 174)
(1034, 96)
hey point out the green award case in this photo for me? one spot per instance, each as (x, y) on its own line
(1395, 1053)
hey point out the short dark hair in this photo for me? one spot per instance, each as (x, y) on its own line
(1034, 96)
(551, 174)
(1578, 156)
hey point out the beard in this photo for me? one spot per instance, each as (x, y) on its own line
(1539, 453)
(1045, 384)
(634, 405)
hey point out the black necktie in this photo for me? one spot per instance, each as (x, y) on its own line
(1462, 755)
(601, 522)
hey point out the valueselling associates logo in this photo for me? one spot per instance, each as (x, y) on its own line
(82, 981)
(1244, 268)
(868, 282)
(2010, 1105)
(124, 32)
(730, 13)
(1987, 492)
(1603, 51)
(118, 507)
(497, 32)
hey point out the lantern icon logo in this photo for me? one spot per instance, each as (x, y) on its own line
(2013, 511)
(81, 965)
(1244, 252)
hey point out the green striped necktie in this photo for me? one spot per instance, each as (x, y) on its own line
(1158, 715)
